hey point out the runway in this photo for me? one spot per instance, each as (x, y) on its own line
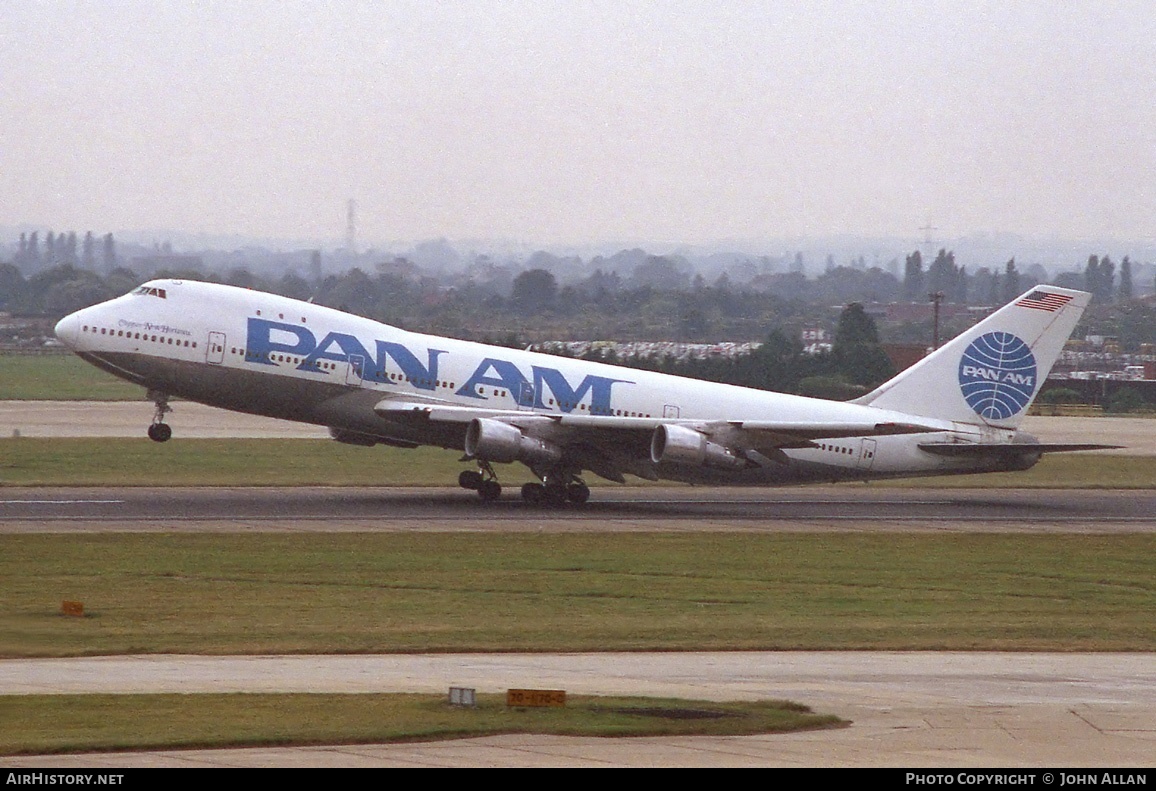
(845, 508)
(131, 418)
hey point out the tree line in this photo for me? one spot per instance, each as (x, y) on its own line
(65, 250)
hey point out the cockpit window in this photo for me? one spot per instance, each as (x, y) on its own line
(151, 291)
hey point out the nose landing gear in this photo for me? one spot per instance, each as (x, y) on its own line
(160, 431)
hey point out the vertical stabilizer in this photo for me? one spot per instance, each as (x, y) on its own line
(991, 373)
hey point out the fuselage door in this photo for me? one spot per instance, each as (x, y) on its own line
(526, 395)
(215, 350)
(670, 411)
(356, 373)
(867, 454)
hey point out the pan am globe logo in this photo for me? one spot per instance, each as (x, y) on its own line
(997, 375)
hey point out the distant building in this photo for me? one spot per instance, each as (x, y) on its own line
(905, 355)
(922, 311)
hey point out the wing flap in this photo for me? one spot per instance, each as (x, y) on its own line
(811, 431)
(392, 409)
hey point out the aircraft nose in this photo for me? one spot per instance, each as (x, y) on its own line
(68, 330)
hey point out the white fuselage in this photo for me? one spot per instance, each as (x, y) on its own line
(264, 354)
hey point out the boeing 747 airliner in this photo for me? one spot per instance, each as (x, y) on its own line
(956, 411)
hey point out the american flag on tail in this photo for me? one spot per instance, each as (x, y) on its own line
(1044, 300)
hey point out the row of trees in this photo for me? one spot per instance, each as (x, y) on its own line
(628, 270)
(986, 287)
(994, 288)
(65, 250)
(533, 305)
(537, 310)
(1100, 279)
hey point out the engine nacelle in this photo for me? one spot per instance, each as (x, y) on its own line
(681, 445)
(493, 440)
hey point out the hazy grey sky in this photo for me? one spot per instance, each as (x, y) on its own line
(580, 121)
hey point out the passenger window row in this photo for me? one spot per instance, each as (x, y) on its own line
(167, 339)
(322, 365)
(838, 449)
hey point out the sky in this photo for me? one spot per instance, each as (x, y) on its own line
(577, 122)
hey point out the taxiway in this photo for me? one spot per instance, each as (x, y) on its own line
(907, 709)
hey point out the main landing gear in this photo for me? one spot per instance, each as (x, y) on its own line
(556, 488)
(160, 431)
(484, 482)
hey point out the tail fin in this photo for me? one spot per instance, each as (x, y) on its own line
(991, 373)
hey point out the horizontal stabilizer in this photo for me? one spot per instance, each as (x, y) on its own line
(967, 451)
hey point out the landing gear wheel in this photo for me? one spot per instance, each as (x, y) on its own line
(553, 494)
(578, 493)
(159, 431)
(468, 479)
(533, 492)
(483, 481)
(490, 490)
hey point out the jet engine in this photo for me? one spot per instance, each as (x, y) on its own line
(681, 445)
(494, 440)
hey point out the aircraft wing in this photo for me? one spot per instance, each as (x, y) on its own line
(779, 433)
(611, 444)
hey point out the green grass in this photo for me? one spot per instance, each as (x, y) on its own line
(1055, 471)
(28, 461)
(82, 723)
(60, 377)
(397, 592)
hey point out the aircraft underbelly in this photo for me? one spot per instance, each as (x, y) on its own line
(325, 403)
